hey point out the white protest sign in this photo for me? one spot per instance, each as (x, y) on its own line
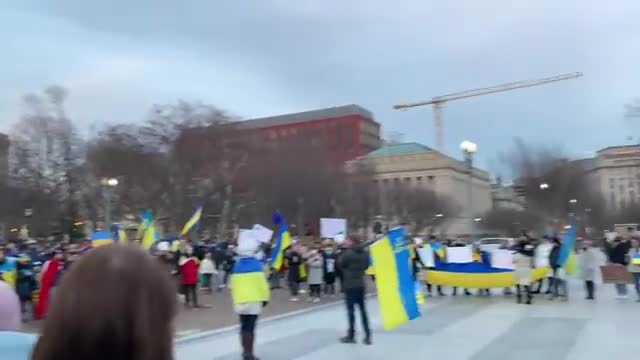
(247, 242)
(502, 259)
(459, 255)
(262, 233)
(426, 256)
(330, 227)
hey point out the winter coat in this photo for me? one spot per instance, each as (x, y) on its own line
(553, 257)
(588, 264)
(619, 252)
(294, 260)
(543, 251)
(522, 268)
(189, 271)
(207, 267)
(353, 263)
(314, 274)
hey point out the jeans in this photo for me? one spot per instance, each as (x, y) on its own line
(636, 282)
(355, 297)
(294, 287)
(621, 289)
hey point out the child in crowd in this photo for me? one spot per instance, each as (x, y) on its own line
(314, 276)
(207, 270)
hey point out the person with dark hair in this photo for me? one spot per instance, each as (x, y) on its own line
(353, 262)
(118, 303)
(619, 254)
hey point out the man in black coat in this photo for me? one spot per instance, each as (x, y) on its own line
(353, 263)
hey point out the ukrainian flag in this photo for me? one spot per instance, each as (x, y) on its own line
(438, 249)
(567, 254)
(118, 233)
(9, 271)
(150, 237)
(478, 275)
(101, 238)
(193, 221)
(248, 281)
(636, 259)
(282, 240)
(146, 218)
(394, 281)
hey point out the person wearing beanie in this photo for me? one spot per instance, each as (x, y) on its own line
(14, 345)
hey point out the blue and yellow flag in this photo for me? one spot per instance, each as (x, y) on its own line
(394, 280)
(635, 260)
(146, 218)
(193, 221)
(118, 233)
(150, 237)
(567, 254)
(438, 249)
(282, 240)
(9, 271)
(249, 282)
(101, 238)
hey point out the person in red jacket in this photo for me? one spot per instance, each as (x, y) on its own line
(50, 274)
(189, 265)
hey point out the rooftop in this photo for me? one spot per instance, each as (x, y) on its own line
(400, 149)
(320, 114)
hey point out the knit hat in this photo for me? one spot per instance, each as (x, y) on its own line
(10, 316)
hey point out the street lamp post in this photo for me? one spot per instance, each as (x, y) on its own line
(108, 187)
(468, 150)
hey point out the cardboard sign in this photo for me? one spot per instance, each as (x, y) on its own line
(616, 274)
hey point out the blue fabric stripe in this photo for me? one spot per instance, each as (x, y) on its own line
(101, 235)
(470, 268)
(247, 265)
(406, 285)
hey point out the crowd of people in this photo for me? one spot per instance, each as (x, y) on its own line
(108, 290)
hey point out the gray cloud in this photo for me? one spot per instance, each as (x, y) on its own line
(266, 57)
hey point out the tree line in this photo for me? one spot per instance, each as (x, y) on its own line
(181, 155)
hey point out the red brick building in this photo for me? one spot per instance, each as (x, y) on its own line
(347, 131)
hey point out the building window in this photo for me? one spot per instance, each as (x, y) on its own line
(431, 177)
(418, 179)
(407, 180)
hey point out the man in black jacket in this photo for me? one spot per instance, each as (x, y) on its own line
(353, 262)
(618, 254)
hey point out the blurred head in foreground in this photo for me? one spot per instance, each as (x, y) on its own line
(116, 302)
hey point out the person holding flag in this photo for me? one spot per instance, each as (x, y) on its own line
(249, 291)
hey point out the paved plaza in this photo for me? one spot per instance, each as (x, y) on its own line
(452, 328)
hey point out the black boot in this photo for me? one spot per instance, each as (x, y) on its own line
(246, 339)
(367, 340)
(348, 340)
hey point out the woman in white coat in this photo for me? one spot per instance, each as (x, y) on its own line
(523, 264)
(588, 267)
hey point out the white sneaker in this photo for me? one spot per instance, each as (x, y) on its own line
(294, 299)
(621, 297)
(316, 300)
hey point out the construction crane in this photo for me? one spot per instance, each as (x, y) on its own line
(438, 101)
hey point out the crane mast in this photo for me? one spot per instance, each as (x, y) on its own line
(439, 101)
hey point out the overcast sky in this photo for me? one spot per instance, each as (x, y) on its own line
(267, 57)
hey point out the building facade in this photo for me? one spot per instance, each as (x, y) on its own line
(506, 197)
(615, 171)
(347, 132)
(416, 165)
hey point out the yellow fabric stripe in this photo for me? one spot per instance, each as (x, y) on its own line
(249, 287)
(480, 281)
(391, 307)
